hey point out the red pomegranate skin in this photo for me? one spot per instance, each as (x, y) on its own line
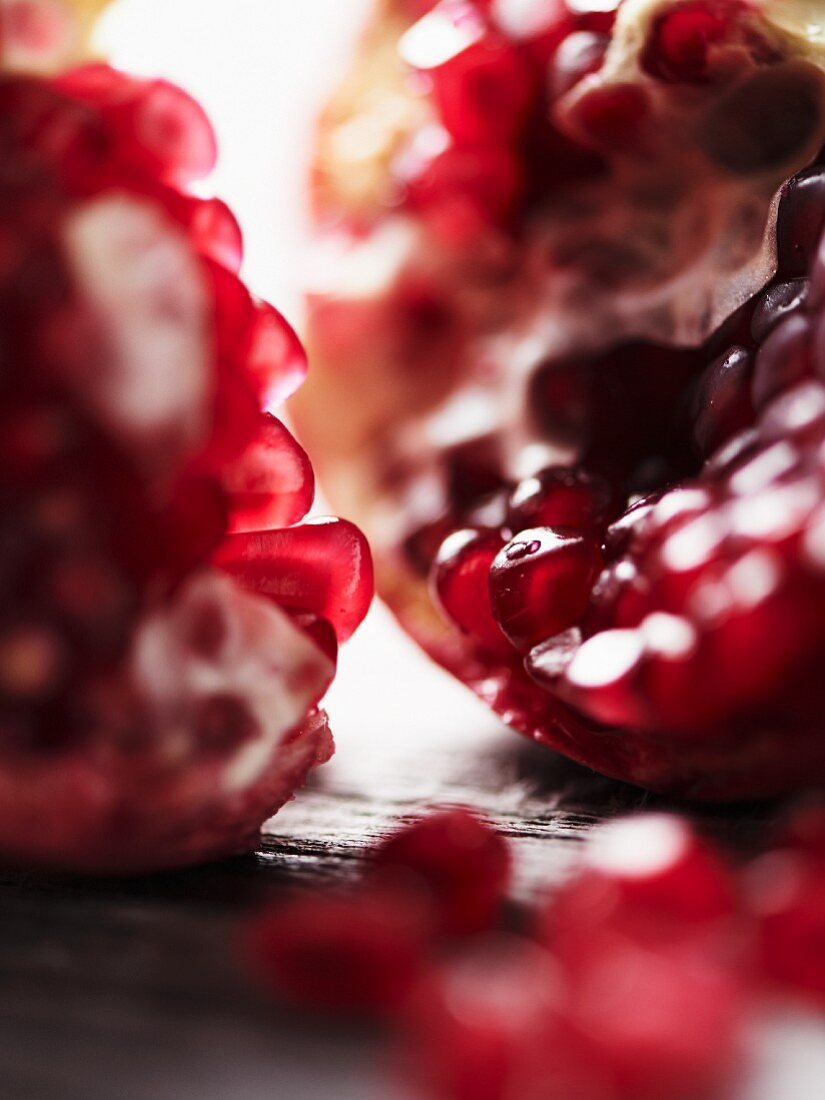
(153, 710)
(620, 365)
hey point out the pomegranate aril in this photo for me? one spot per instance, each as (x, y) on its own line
(658, 1025)
(650, 877)
(216, 233)
(456, 861)
(620, 598)
(465, 185)
(800, 222)
(460, 581)
(798, 413)
(276, 358)
(540, 583)
(561, 497)
(783, 359)
(271, 484)
(160, 129)
(483, 86)
(804, 829)
(323, 566)
(682, 38)
(486, 1025)
(775, 304)
(723, 400)
(610, 117)
(786, 895)
(360, 953)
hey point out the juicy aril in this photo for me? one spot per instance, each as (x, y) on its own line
(166, 631)
(568, 304)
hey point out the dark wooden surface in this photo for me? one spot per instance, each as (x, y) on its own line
(130, 989)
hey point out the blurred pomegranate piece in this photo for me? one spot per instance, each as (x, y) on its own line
(649, 879)
(785, 891)
(458, 862)
(510, 1021)
(339, 953)
(488, 1025)
(617, 217)
(648, 936)
(152, 713)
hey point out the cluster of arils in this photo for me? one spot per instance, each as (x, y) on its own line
(693, 616)
(605, 453)
(165, 631)
(493, 145)
(638, 979)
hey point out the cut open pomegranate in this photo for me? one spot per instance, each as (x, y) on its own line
(592, 468)
(158, 688)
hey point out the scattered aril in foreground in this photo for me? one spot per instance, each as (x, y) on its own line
(167, 626)
(638, 978)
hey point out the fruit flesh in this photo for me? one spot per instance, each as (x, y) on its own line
(152, 712)
(44, 36)
(592, 311)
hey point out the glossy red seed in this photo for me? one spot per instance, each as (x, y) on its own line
(722, 404)
(323, 566)
(540, 583)
(611, 116)
(276, 357)
(467, 184)
(777, 302)
(482, 85)
(650, 877)
(459, 863)
(359, 953)
(658, 1025)
(800, 221)
(804, 829)
(460, 581)
(682, 38)
(786, 892)
(561, 497)
(783, 359)
(644, 933)
(216, 233)
(271, 484)
(487, 1025)
(156, 126)
(484, 93)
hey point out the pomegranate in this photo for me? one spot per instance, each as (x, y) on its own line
(360, 953)
(785, 893)
(159, 681)
(568, 304)
(456, 861)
